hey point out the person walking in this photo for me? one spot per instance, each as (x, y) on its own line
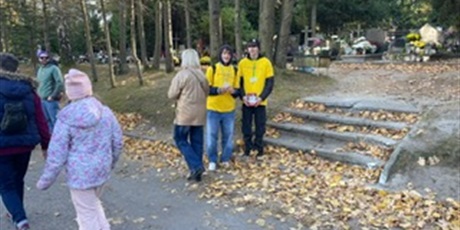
(87, 141)
(189, 88)
(257, 81)
(23, 126)
(50, 87)
(224, 88)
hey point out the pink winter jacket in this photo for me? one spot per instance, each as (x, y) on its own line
(87, 141)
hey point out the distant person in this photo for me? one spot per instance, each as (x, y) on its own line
(257, 81)
(87, 141)
(23, 126)
(50, 87)
(224, 88)
(190, 88)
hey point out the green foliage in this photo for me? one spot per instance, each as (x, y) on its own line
(97, 34)
(25, 29)
(228, 26)
(333, 14)
(413, 14)
(446, 12)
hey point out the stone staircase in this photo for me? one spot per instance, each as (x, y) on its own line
(361, 131)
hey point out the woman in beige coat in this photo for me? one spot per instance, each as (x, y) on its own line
(190, 89)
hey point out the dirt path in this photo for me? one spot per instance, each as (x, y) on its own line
(136, 198)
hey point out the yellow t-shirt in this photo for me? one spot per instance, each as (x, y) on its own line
(224, 76)
(254, 74)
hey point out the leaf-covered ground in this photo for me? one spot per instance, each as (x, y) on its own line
(317, 193)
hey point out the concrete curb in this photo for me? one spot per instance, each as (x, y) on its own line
(356, 137)
(388, 169)
(328, 117)
(347, 157)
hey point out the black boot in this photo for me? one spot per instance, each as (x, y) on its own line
(196, 175)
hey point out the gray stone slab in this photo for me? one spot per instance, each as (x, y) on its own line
(364, 103)
(384, 104)
(337, 118)
(346, 157)
(345, 136)
(333, 101)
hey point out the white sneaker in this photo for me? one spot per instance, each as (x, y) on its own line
(212, 166)
(225, 165)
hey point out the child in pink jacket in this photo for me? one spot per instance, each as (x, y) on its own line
(86, 141)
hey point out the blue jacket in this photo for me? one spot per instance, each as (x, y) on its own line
(17, 88)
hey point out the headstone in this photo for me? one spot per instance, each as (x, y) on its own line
(430, 34)
(376, 36)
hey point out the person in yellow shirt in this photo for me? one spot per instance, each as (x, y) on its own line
(224, 88)
(256, 84)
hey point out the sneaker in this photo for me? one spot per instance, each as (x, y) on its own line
(23, 225)
(212, 166)
(225, 164)
(260, 156)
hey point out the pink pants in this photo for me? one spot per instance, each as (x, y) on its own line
(90, 213)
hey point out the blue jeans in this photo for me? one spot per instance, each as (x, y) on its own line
(13, 169)
(51, 109)
(226, 123)
(189, 140)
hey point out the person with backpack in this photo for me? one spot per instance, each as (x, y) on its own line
(50, 87)
(257, 81)
(224, 88)
(189, 88)
(22, 126)
(87, 141)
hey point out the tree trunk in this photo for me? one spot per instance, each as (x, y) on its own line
(214, 28)
(123, 66)
(5, 28)
(313, 18)
(2, 26)
(141, 32)
(46, 26)
(89, 43)
(65, 49)
(169, 65)
(158, 35)
(136, 60)
(108, 45)
(285, 31)
(266, 28)
(187, 23)
(33, 25)
(238, 40)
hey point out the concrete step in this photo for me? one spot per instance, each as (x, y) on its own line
(361, 103)
(306, 145)
(337, 118)
(317, 131)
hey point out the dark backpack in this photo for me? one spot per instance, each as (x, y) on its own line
(14, 120)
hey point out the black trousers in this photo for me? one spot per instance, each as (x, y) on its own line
(259, 116)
